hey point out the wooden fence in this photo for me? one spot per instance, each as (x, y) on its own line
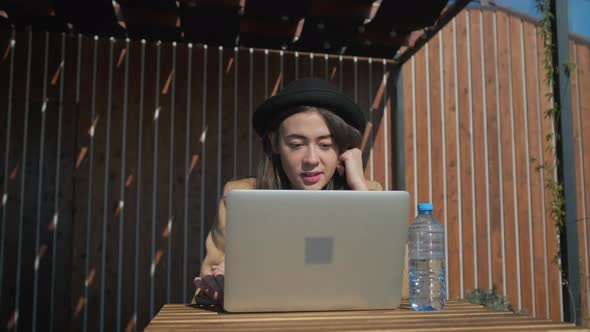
(475, 134)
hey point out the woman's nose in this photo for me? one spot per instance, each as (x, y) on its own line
(311, 156)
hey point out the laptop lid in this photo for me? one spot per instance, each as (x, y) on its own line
(296, 250)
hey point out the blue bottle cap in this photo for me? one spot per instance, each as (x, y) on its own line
(424, 207)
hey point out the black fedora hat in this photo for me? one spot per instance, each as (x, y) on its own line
(308, 92)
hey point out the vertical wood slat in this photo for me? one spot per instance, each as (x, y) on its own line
(391, 100)
(581, 108)
(464, 114)
(9, 201)
(203, 141)
(519, 161)
(58, 312)
(251, 103)
(584, 54)
(100, 192)
(244, 169)
(483, 96)
(40, 183)
(84, 48)
(121, 314)
(507, 164)
(369, 169)
(78, 299)
(105, 210)
(171, 218)
(138, 92)
(527, 163)
(156, 110)
(186, 151)
(6, 129)
(18, 315)
(420, 118)
(579, 164)
(455, 271)
(149, 165)
(536, 210)
(493, 164)
(378, 147)
(164, 90)
(443, 163)
(457, 141)
(479, 155)
(380, 128)
(409, 82)
(375, 116)
(363, 72)
(7, 73)
(428, 119)
(435, 119)
(190, 159)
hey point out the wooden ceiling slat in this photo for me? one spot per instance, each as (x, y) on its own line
(268, 27)
(407, 16)
(149, 16)
(344, 9)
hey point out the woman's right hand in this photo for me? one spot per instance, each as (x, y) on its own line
(210, 286)
(351, 165)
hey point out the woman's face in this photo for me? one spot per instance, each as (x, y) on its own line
(308, 153)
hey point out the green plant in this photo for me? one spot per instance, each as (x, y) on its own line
(550, 165)
(489, 298)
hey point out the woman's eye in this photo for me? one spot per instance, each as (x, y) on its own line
(295, 145)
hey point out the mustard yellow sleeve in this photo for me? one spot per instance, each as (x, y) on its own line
(215, 243)
(373, 185)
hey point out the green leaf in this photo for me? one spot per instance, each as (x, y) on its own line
(548, 136)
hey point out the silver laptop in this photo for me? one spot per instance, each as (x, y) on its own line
(296, 250)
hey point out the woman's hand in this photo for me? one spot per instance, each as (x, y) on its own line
(351, 164)
(210, 286)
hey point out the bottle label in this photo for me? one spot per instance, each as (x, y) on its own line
(427, 264)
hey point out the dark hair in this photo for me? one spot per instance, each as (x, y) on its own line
(270, 169)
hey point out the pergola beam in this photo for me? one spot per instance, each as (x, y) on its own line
(566, 169)
(448, 14)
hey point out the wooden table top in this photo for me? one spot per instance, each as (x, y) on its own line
(455, 317)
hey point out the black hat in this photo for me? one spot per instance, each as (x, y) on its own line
(308, 92)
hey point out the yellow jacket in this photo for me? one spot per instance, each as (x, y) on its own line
(215, 242)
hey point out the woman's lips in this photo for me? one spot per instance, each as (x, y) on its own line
(311, 177)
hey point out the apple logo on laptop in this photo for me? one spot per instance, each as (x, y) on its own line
(319, 250)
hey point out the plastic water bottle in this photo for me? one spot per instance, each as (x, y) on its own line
(426, 261)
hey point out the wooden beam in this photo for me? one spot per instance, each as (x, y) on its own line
(447, 14)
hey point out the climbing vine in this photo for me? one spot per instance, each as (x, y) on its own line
(551, 163)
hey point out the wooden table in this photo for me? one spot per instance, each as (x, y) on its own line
(455, 317)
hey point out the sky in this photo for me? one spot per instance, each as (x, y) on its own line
(579, 12)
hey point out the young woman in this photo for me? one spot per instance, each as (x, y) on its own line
(311, 135)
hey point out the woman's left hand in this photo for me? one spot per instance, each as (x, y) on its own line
(351, 164)
(210, 286)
